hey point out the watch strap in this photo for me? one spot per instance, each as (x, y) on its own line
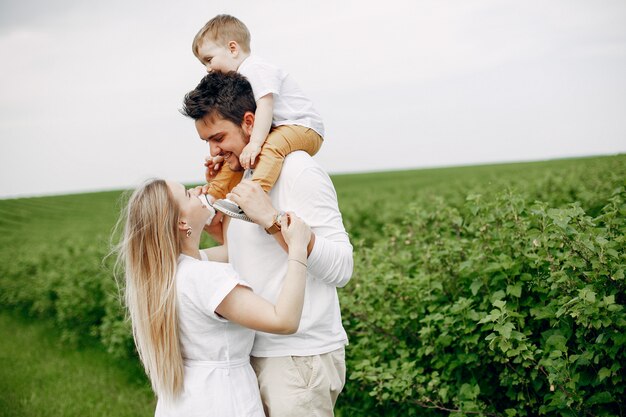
(275, 227)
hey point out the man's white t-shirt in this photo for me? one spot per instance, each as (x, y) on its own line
(304, 188)
(291, 106)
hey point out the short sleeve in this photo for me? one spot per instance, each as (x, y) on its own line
(205, 285)
(263, 78)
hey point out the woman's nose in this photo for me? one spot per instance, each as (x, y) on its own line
(208, 69)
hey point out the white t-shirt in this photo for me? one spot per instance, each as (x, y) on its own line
(304, 188)
(218, 378)
(291, 106)
(205, 336)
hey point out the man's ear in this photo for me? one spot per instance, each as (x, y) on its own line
(233, 48)
(248, 122)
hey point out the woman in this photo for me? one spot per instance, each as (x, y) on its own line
(193, 318)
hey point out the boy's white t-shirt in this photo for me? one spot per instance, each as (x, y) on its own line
(291, 106)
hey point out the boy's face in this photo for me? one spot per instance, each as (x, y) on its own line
(218, 58)
(224, 137)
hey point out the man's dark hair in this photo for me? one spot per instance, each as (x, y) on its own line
(228, 95)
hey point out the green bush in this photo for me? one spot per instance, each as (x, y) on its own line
(490, 290)
(499, 307)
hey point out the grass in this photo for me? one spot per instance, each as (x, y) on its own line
(41, 377)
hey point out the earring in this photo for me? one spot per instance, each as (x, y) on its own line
(189, 232)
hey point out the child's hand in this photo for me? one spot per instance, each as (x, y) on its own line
(213, 164)
(248, 155)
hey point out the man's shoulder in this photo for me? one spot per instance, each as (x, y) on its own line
(299, 161)
(301, 171)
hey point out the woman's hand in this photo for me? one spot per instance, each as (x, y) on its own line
(214, 228)
(295, 232)
(203, 189)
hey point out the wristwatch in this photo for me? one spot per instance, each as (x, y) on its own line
(275, 227)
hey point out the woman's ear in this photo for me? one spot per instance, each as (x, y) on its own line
(182, 226)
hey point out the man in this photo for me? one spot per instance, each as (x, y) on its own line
(300, 374)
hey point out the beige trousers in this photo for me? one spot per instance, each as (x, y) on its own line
(299, 386)
(280, 142)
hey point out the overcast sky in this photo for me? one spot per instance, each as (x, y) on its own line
(90, 90)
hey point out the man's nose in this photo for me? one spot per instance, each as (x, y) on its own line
(214, 149)
(208, 69)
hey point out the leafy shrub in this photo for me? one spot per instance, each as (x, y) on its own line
(498, 307)
(499, 290)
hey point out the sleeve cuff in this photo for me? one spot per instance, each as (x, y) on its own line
(220, 294)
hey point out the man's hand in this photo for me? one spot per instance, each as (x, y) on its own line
(255, 202)
(213, 164)
(249, 154)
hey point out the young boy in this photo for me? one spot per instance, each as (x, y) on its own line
(285, 120)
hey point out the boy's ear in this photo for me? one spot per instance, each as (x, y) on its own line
(233, 48)
(248, 122)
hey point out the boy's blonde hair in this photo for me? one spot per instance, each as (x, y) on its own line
(222, 29)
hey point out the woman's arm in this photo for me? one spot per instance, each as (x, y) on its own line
(218, 253)
(244, 307)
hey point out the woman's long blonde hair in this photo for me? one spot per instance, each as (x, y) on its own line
(148, 253)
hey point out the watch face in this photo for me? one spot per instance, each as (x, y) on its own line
(275, 227)
(279, 219)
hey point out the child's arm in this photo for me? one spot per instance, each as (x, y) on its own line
(262, 125)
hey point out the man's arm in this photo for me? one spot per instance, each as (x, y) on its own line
(312, 197)
(257, 205)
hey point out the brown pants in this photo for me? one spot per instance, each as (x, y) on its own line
(280, 142)
(296, 386)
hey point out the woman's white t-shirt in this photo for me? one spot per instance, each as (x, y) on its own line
(218, 380)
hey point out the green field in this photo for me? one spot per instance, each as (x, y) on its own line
(39, 376)
(483, 290)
